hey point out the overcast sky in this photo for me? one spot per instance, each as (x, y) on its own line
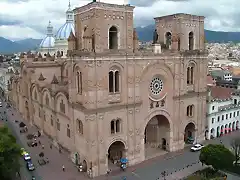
(21, 19)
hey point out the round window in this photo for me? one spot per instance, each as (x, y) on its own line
(156, 86)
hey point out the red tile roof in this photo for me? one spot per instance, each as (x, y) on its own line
(210, 81)
(221, 92)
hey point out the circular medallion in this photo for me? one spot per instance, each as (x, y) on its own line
(156, 86)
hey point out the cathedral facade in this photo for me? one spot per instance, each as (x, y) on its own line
(109, 98)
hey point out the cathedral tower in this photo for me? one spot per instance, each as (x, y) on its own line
(103, 23)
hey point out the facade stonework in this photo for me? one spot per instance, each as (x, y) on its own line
(108, 99)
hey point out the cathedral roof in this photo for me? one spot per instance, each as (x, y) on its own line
(68, 27)
(48, 41)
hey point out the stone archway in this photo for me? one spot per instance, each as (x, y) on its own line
(189, 133)
(156, 136)
(116, 151)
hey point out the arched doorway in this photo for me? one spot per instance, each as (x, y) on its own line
(222, 130)
(226, 129)
(84, 166)
(189, 133)
(218, 131)
(76, 158)
(27, 115)
(212, 135)
(230, 127)
(206, 134)
(156, 137)
(115, 152)
(233, 126)
(113, 38)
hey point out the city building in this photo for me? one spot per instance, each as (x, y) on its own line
(221, 75)
(108, 99)
(223, 111)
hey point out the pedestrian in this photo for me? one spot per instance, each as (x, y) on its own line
(63, 168)
(43, 146)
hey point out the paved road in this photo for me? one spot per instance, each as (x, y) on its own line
(172, 163)
(25, 174)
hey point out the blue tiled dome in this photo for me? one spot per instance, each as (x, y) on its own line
(65, 30)
(47, 42)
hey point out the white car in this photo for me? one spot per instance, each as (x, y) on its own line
(26, 157)
(197, 147)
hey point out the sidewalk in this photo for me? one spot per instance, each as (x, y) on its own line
(53, 170)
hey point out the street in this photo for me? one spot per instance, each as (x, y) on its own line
(172, 163)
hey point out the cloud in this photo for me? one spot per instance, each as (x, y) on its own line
(33, 15)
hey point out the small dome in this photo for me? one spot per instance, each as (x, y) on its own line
(47, 42)
(65, 30)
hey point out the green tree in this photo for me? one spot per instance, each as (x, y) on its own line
(236, 148)
(10, 153)
(218, 156)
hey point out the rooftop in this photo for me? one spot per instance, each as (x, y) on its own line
(218, 92)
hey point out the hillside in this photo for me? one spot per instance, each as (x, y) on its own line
(8, 46)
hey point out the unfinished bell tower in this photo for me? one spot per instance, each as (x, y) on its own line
(104, 27)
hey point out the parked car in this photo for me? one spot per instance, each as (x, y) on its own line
(27, 157)
(30, 166)
(197, 147)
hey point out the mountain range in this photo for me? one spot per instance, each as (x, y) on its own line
(144, 34)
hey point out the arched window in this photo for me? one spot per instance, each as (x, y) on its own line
(113, 38)
(190, 110)
(168, 39)
(62, 107)
(190, 75)
(79, 82)
(51, 120)
(79, 127)
(47, 100)
(68, 131)
(35, 95)
(190, 41)
(114, 81)
(110, 81)
(115, 126)
(179, 44)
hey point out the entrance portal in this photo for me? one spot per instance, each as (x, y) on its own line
(157, 134)
(115, 152)
(189, 135)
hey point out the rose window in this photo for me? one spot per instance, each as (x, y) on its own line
(156, 86)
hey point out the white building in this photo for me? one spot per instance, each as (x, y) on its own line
(223, 113)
